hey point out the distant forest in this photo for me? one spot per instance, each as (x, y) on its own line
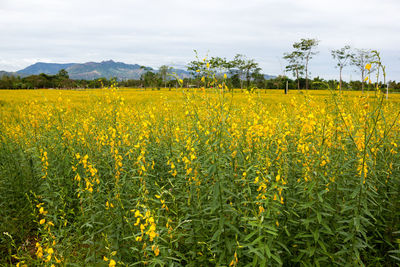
(151, 80)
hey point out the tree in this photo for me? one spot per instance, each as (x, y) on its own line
(295, 60)
(343, 57)
(359, 60)
(306, 46)
(249, 68)
(197, 68)
(205, 70)
(164, 71)
(151, 79)
(244, 68)
(235, 80)
(63, 74)
(62, 79)
(237, 65)
(258, 78)
(218, 65)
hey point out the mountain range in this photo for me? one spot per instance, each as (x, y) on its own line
(95, 70)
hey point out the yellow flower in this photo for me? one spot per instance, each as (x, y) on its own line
(368, 66)
(112, 263)
(77, 177)
(225, 76)
(137, 213)
(152, 235)
(261, 209)
(39, 253)
(42, 221)
(156, 250)
(152, 227)
(366, 79)
(137, 221)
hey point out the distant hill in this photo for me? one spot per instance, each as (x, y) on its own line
(269, 77)
(94, 70)
(7, 73)
(181, 73)
(41, 67)
(107, 69)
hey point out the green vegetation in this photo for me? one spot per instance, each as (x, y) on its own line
(124, 178)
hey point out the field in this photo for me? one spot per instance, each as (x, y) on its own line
(114, 177)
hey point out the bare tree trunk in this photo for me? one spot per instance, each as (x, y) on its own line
(362, 80)
(241, 80)
(287, 87)
(340, 79)
(387, 91)
(248, 79)
(307, 73)
(298, 80)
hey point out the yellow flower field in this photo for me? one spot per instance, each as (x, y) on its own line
(118, 177)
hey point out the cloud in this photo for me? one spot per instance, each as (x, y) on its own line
(156, 32)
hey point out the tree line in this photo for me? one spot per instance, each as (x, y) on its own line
(60, 80)
(154, 82)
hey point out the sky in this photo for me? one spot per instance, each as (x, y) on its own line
(158, 32)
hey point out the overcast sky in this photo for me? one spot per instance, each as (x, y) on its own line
(157, 32)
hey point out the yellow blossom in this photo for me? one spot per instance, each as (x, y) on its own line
(112, 263)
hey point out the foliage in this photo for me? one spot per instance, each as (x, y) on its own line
(245, 68)
(359, 60)
(343, 57)
(199, 178)
(151, 79)
(295, 64)
(164, 71)
(306, 48)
